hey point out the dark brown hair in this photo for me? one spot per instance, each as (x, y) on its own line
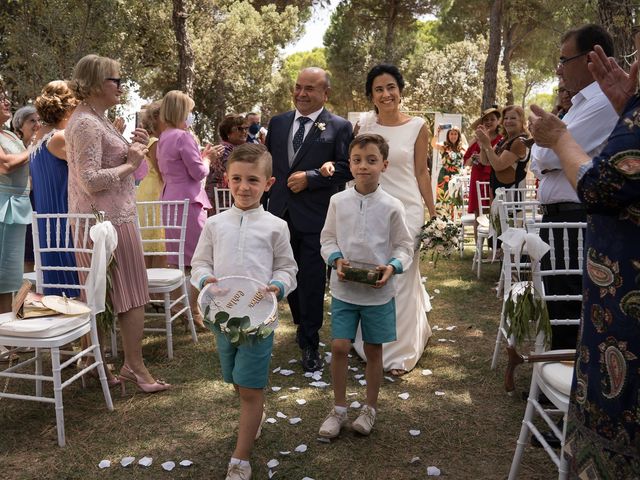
(228, 123)
(371, 138)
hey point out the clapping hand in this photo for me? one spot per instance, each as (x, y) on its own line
(545, 127)
(616, 84)
(483, 136)
(327, 169)
(387, 271)
(140, 135)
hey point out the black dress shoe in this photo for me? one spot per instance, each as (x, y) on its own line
(311, 359)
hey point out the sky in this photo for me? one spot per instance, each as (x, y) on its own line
(314, 30)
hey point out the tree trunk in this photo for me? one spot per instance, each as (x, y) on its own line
(392, 17)
(493, 56)
(617, 16)
(506, 61)
(186, 68)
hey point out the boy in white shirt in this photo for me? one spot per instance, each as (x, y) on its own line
(248, 241)
(364, 224)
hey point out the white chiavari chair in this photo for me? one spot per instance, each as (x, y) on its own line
(222, 199)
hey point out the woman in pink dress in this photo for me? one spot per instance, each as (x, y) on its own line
(101, 166)
(183, 169)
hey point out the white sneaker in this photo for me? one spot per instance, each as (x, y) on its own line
(235, 471)
(259, 432)
(332, 425)
(364, 423)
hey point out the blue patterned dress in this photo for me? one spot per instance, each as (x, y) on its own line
(603, 432)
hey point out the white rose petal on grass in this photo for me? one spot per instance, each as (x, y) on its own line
(439, 393)
(283, 397)
(433, 471)
(271, 473)
(295, 420)
(404, 395)
(307, 478)
(276, 370)
(426, 372)
(322, 344)
(285, 453)
(442, 340)
(301, 448)
(276, 389)
(104, 464)
(452, 341)
(281, 415)
(352, 394)
(451, 328)
(301, 401)
(355, 404)
(323, 440)
(271, 420)
(353, 369)
(308, 374)
(168, 466)
(362, 382)
(435, 290)
(414, 433)
(358, 376)
(390, 379)
(145, 461)
(319, 384)
(317, 376)
(126, 461)
(286, 372)
(295, 389)
(414, 460)
(273, 463)
(293, 360)
(186, 463)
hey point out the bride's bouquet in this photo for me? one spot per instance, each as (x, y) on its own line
(440, 236)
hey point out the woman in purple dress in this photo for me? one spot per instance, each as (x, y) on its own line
(183, 170)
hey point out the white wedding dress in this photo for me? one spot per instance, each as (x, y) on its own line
(412, 301)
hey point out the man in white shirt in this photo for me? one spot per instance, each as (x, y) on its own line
(590, 121)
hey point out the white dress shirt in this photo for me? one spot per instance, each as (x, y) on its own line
(366, 229)
(253, 243)
(307, 126)
(590, 121)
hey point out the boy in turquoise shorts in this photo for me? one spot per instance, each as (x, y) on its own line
(248, 241)
(364, 225)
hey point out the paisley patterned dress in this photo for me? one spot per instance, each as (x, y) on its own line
(603, 432)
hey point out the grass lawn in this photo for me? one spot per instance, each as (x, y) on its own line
(468, 433)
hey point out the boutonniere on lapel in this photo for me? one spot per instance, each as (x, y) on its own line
(320, 126)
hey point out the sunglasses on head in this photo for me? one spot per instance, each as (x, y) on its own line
(117, 81)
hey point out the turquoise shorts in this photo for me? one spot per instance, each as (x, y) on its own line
(378, 322)
(247, 365)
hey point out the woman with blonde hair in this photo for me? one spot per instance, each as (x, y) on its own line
(509, 158)
(101, 166)
(183, 169)
(50, 173)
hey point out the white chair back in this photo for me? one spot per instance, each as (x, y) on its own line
(484, 197)
(158, 218)
(518, 214)
(520, 194)
(222, 199)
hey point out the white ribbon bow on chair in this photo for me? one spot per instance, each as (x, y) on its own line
(517, 238)
(105, 241)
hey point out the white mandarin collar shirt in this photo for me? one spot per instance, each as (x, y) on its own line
(253, 243)
(366, 229)
(590, 121)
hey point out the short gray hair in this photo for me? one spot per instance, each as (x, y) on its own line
(21, 116)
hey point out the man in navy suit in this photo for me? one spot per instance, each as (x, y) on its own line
(300, 141)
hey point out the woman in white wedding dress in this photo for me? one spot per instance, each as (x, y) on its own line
(406, 178)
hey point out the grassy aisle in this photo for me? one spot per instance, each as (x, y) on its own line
(469, 432)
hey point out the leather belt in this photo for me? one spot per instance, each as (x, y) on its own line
(556, 208)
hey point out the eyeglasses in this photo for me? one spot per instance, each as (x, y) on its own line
(117, 81)
(563, 60)
(242, 129)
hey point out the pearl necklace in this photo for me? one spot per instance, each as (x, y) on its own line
(107, 122)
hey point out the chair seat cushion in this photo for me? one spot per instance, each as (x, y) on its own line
(558, 375)
(31, 276)
(42, 327)
(468, 219)
(163, 277)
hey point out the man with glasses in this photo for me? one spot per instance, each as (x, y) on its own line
(590, 121)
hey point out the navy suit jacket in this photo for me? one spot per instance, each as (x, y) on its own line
(308, 209)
